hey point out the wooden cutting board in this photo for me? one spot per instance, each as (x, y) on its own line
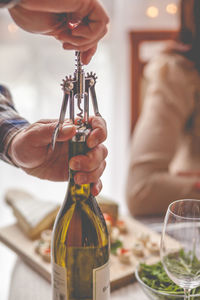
(120, 274)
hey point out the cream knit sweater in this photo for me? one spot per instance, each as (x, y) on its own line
(163, 142)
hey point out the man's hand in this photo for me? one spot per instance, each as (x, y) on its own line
(189, 173)
(51, 17)
(31, 150)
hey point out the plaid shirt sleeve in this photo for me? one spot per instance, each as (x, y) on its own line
(10, 123)
(8, 3)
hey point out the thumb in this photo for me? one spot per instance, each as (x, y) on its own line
(42, 133)
(56, 6)
(66, 133)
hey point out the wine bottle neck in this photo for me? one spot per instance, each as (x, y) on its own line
(78, 190)
(78, 146)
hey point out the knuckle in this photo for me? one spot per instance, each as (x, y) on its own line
(95, 175)
(90, 165)
(90, 161)
(104, 166)
(105, 31)
(105, 152)
(97, 155)
(107, 20)
(97, 186)
(102, 134)
(101, 169)
(41, 121)
(100, 184)
(100, 123)
(32, 131)
(52, 126)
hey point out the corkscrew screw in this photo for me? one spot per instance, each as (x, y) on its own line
(76, 91)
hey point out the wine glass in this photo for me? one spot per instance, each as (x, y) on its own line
(180, 244)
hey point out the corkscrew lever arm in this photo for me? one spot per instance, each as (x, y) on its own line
(61, 119)
(94, 101)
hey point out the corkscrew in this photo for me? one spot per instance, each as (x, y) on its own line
(76, 91)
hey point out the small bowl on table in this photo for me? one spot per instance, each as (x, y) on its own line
(155, 294)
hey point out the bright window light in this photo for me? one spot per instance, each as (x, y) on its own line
(12, 28)
(171, 8)
(152, 12)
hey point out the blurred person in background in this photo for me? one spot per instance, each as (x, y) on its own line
(165, 153)
(28, 146)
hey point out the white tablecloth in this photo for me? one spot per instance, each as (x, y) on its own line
(26, 284)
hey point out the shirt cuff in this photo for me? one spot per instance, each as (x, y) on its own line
(8, 139)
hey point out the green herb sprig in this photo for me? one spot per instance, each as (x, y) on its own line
(156, 278)
(115, 246)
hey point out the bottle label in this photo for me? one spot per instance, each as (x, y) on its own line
(101, 283)
(59, 282)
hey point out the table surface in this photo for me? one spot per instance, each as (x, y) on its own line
(26, 284)
(19, 282)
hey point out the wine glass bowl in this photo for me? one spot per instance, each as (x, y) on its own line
(180, 243)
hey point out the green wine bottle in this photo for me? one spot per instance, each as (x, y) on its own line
(80, 243)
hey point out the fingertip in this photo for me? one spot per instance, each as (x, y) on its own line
(96, 188)
(86, 56)
(85, 59)
(74, 163)
(97, 136)
(67, 46)
(94, 192)
(97, 122)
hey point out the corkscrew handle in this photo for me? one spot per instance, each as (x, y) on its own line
(77, 89)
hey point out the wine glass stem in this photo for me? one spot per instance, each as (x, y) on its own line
(186, 294)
